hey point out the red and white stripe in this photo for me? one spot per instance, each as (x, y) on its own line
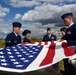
(51, 53)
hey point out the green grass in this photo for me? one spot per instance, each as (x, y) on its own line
(61, 63)
(2, 43)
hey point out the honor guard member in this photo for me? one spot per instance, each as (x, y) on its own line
(49, 36)
(63, 32)
(26, 34)
(70, 36)
(14, 38)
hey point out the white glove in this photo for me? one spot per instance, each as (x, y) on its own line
(72, 60)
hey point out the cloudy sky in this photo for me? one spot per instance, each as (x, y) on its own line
(35, 15)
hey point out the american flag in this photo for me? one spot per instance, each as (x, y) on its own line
(33, 56)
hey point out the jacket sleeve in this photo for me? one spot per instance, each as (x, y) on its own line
(8, 41)
(20, 39)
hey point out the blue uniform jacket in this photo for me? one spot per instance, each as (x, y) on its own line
(26, 40)
(71, 39)
(12, 39)
(71, 35)
(52, 38)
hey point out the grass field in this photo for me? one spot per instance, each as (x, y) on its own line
(2, 45)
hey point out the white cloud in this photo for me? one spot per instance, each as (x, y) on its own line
(3, 11)
(2, 15)
(30, 3)
(48, 11)
(23, 3)
(56, 1)
(17, 16)
(5, 28)
(52, 1)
